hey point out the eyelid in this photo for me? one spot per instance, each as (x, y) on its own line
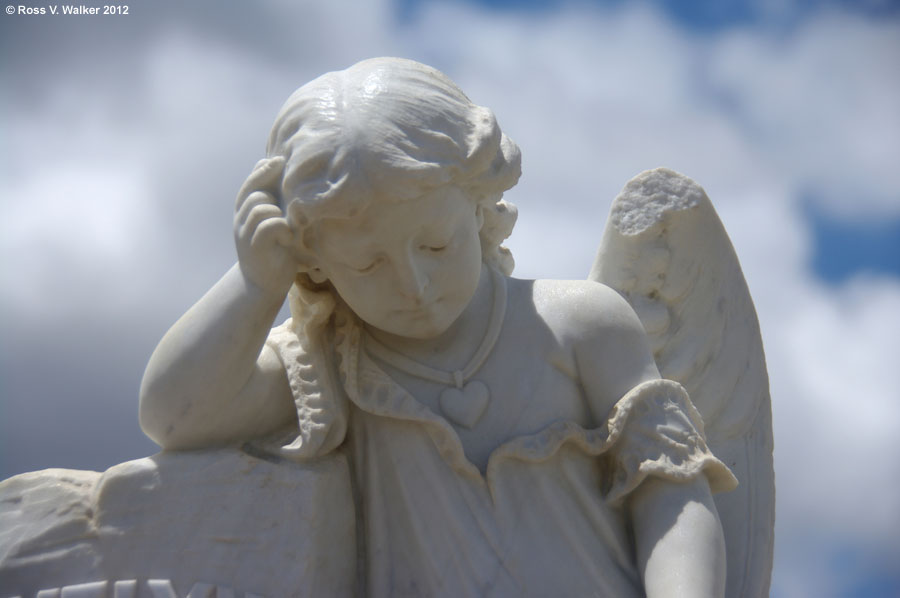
(369, 268)
(439, 243)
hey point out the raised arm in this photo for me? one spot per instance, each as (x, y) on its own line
(680, 549)
(211, 379)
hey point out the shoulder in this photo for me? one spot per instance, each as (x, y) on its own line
(580, 310)
(603, 334)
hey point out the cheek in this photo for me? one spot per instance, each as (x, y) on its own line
(365, 296)
(472, 252)
(460, 278)
(348, 290)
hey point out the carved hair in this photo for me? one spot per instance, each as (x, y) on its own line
(390, 129)
(394, 129)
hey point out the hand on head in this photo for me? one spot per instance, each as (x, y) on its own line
(265, 243)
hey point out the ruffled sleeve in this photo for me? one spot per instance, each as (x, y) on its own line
(322, 408)
(655, 430)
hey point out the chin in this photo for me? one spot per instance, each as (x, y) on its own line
(422, 326)
(422, 330)
(429, 333)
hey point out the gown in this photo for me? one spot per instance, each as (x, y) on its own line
(545, 518)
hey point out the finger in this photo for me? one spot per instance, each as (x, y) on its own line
(275, 230)
(265, 176)
(257, 216)
(255, 199)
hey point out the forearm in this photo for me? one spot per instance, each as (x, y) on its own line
(679, 542)
(206, 358)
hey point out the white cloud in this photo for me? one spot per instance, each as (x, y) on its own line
(138, 192)
(73, 226)
(822, 104)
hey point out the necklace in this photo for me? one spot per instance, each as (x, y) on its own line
(465, 401)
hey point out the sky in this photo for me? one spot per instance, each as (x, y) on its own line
(123, 140)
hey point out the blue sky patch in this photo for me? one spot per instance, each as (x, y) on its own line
(697, 15)
(845, 248)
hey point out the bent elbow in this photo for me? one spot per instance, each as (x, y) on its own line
(152, 421)
(159, 416)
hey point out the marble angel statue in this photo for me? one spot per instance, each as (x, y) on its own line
(506, 437)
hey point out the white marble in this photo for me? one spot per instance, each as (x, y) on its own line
(506, 437)
(665, 250)
(176, 523)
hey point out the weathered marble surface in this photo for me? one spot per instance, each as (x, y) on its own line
(451, 430)
(175, 525)
(666, 251)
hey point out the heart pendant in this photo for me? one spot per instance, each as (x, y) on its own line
(465, 406)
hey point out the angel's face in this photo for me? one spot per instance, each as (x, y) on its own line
(408, 268)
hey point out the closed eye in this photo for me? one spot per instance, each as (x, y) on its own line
(369, 268)
(434, 249)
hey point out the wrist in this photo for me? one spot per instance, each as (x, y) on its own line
(271, 290)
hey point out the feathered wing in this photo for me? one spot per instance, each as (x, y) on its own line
(666, 251)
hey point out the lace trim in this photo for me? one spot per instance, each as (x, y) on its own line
(321, 415)
(656, 430)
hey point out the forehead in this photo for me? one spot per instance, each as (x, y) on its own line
(343, 185)
(385, 220)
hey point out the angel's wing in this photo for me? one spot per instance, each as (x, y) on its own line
(665, 250)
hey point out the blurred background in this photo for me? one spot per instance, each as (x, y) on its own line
(125, 139)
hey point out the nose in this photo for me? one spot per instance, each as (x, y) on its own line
(412, 278)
